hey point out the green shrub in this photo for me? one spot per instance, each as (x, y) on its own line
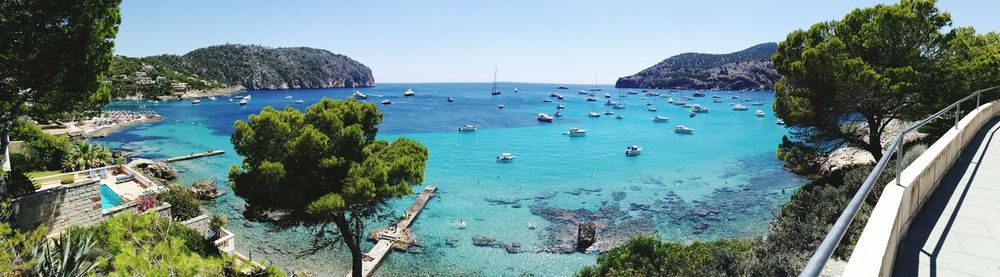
(648, 256)
(184, 204)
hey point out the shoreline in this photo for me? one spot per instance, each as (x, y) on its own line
(104, 124)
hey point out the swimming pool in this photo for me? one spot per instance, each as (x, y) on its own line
(109, 199)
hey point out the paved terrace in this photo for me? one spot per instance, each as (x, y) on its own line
(957, 232)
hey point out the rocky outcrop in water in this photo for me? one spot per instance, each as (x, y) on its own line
(160, 171)
(205, 189)
(586, 233)
(750, 68)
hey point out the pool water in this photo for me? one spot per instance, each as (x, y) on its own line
(109, 199)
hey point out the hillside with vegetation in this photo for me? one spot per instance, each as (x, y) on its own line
(750, 68)
(248, 66)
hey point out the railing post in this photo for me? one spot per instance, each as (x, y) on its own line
(899, 160)
(977, 100)
(957, 112)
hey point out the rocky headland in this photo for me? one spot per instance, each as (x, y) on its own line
(750, 68)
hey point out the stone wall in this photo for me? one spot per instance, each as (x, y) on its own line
(199, 223)
(60, 206)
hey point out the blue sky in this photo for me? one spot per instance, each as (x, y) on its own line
(461, 41)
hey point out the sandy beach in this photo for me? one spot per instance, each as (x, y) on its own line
(104, 123)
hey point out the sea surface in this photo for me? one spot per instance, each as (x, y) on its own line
(721, 181)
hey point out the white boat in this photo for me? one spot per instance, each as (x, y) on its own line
(680, 102)
(386, 101)
(559, 96)
(494, 90)
(692, 114)
(546, 100)
(505, 158)
(698, 94)
(607, 95)
(408, 92)
(740, 107)
(591, 99)
(633, 150)
(780, 122)
(288, 97)
(756, 104)
(619, 117)
(610, 103)
(681, 129)
(717, 100)
(515, 89)
(651, 108)
(618, 106)
(593, 114)
(243, 102)
(544, 117)
(195, 101)
(500, 106)
(467, 128)
(356, 95)
(212, 98)
(560, 107)
(595, 88)
(660, 119)
(759, 113)
(299, 101)
(581, 92)
(156, 101)
(451, 99)
(247, 97)
(553, 94)
(558, 114)
(576, 132)
(717, 96)
(699, 108)
(609, 113)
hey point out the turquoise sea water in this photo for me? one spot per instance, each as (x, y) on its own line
(721, 181)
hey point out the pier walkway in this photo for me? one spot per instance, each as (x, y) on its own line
(381, 249)
(193, 156)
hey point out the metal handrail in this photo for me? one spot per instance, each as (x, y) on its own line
(832, 240)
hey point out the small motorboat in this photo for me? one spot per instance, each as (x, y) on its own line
(633, 150)
(546, 100)
(557, 114)
(607, 95)
(195, 102)
(681, 129)
(288, 97)
(553, 94)
(500, 106)
(544, 117)
(632, 92)
(759, 113)
(158, 101)
(247, 97)
(451, 99)
(651, 108)
(562, 87)
(618, 106)
(515, 89)
(660, 119)
(699, 108)
(780, 122)
(386, 101)
(698, 94)
(717, 96)
(645, 90)
(356, 95)
(680, 102)
(756, 104)
(299, 101)
(692, 114)
(531, 226)
(505, 158)
(740, 107)
(576, 132)
(408, 92)
(212, 98)
(717, 100)
(581, 92)
(560, 107)
(467, 128)
(559, 96)
(610, 103)
(735, 97)
(243, 102)
(649, 104)
(591, 99)
(620, 117)
(609, 113)
(593, 114)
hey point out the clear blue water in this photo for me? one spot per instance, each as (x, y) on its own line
(722, 181)
(109, 199)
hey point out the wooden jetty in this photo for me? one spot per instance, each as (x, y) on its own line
(193, 156)
(385, 240)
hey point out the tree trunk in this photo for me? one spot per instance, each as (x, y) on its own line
(874, 141)
(352, 244)
(4, 147)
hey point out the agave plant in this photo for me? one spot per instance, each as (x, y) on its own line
(68, 256)
(82, 155)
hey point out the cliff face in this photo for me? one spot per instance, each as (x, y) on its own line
(252, 66)
(750, 68)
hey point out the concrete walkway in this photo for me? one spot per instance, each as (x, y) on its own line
(957, 233)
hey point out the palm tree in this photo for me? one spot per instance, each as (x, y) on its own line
(83, 155)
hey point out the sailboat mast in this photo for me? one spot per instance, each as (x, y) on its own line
(494, 80)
